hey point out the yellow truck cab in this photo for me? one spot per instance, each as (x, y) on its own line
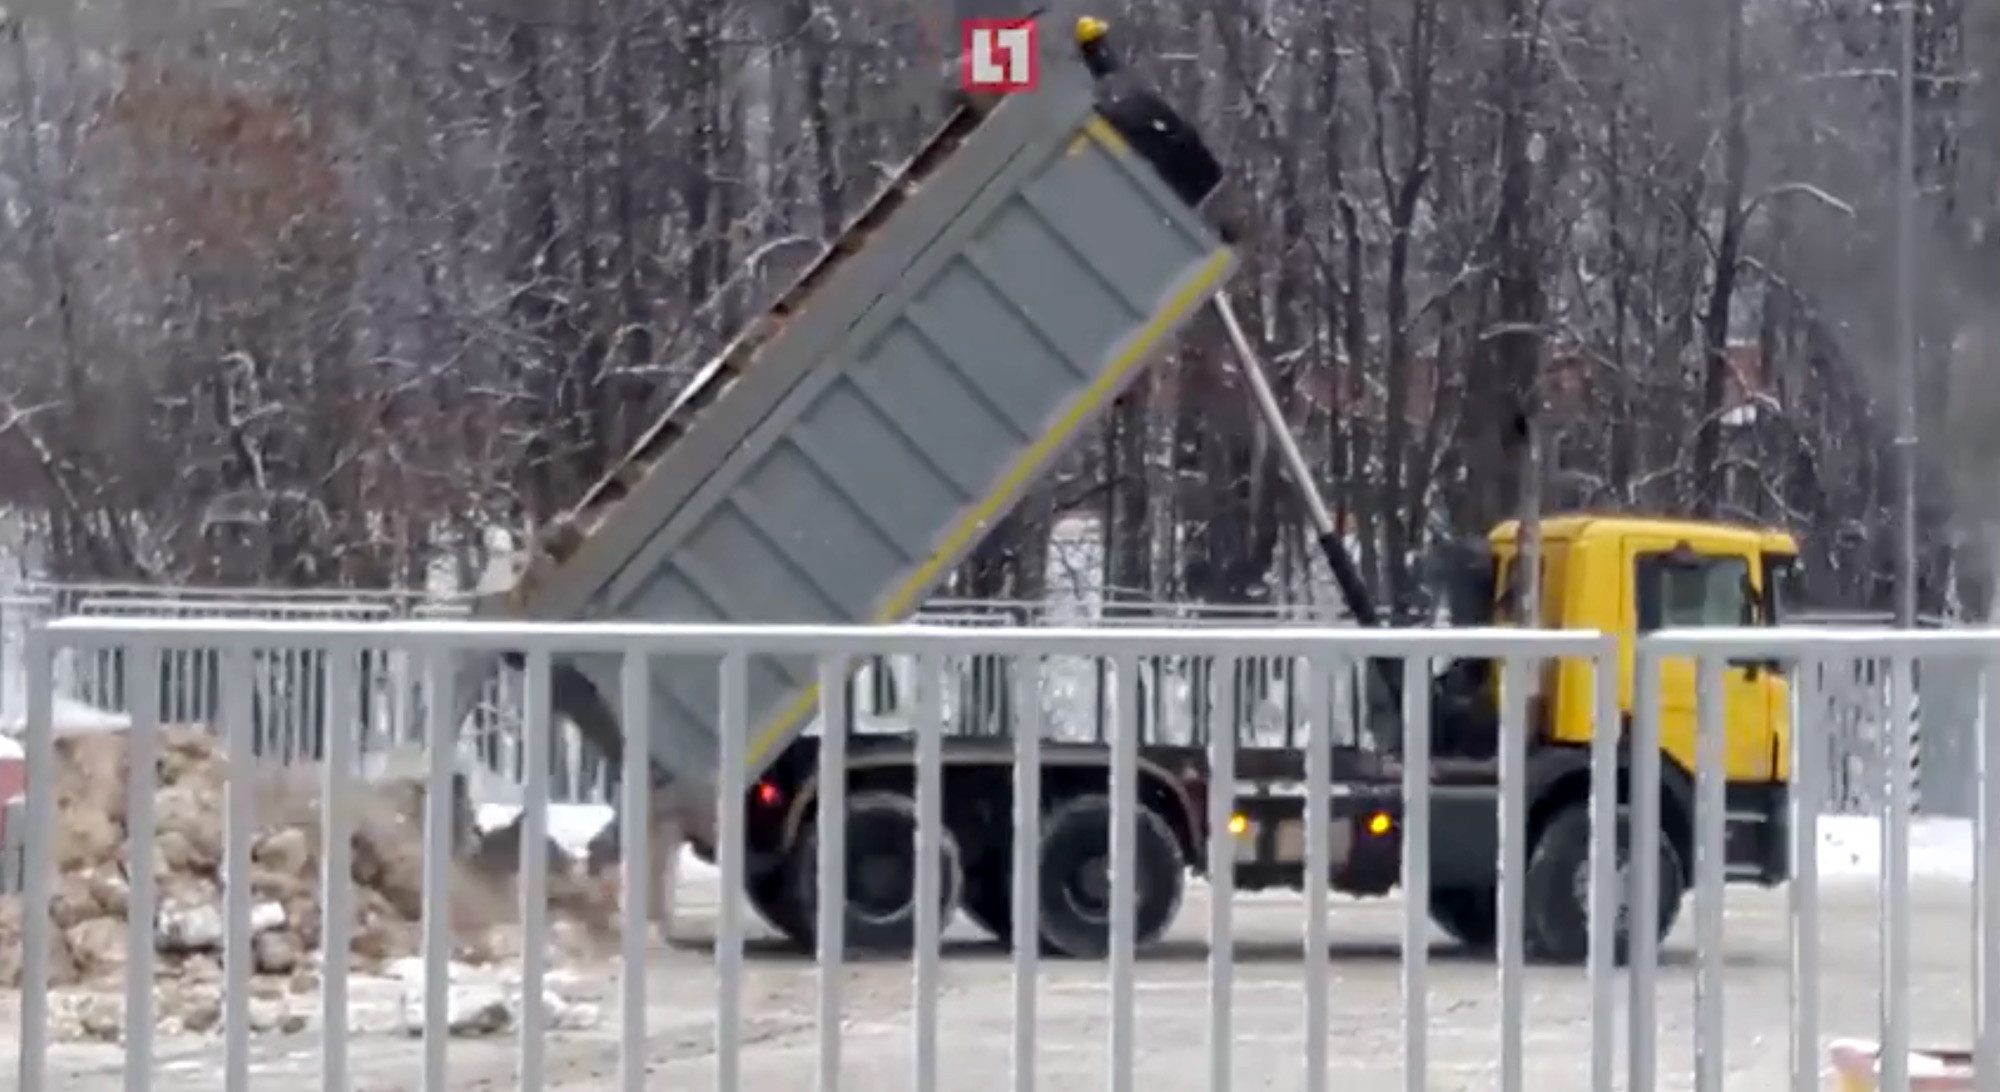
(1629, 576)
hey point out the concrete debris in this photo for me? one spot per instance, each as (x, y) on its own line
(479, 1005)
(92, 889)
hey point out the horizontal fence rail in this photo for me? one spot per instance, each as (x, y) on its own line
(1064, 848)
(1260, 701)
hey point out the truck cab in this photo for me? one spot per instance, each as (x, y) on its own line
(1631, 576)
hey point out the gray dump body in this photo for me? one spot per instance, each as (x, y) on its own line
(851, 447)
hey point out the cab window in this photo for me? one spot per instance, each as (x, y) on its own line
(1679, 590)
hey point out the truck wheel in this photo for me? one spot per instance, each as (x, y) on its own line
(1469, 915)
(989, 898)
(881, 875)
(1076, 878)
(1558, 893)
(770, 894)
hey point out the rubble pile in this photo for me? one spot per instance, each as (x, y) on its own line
(89, 907)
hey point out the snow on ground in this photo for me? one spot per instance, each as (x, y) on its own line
(572, 826)
(1850, 847)
(71, 717)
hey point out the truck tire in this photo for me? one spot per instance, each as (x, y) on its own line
(770, 894)
(1558, 896)
(881, 875)
(1076, 873)
(1469, 915)
(989, 897)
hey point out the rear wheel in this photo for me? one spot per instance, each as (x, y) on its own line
(1075, 878)
(1469, 915)
(989, 897)
(770, 894)
(881, 875)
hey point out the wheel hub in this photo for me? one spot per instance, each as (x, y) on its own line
(1580, 891)
(1088, 889)
(881, 877)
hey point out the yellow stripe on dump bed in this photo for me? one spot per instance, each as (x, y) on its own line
(964, 535)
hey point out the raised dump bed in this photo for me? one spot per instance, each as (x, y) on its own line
(854, 444)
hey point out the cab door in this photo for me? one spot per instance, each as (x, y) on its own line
(1674, 586)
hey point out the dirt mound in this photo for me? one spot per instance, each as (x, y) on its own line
(89, 907)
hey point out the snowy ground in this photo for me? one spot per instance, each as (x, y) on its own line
(1850, 846)
(975, 1030)
(1364, 1027)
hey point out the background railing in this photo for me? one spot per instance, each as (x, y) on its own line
(1182, 701)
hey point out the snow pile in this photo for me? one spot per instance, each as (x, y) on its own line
(70, 717)
(1850, 847)
(573, 827)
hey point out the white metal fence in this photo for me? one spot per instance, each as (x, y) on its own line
(1537, 1045)
(289, 702)
(1942, 723)
(289, 705)
(1261, 699)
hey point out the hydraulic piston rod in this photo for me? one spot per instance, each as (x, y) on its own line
(1346, 574)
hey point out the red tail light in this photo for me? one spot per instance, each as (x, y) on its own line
(768, 794)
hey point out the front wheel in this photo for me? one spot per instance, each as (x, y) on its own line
(1469, 915)
(881, 875)
(1558, 893)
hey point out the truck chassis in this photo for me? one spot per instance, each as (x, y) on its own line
(1267, 822)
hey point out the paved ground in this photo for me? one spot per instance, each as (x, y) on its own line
(1365, 1032)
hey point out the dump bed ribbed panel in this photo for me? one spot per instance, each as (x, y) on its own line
(859, 450)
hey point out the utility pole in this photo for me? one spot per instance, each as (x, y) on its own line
(1906, 318)
(1900, 744)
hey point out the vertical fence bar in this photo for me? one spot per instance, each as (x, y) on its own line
(834, 711)
(1809, 778)
(1986, 924)
(439, 730)
(534, 881)
(1416, 872)
(927, 721)
(1895, 1063)
(635, 868)
(1027, 923)
(336, 877)
(1642, 969)
(1125, 877)
(1319, 866)
(1604, 894)
(1222, 881)
(1516, 677)
(1710, 871)
(729, 834)
(239, 827)
(142, 700)
(38, 885)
